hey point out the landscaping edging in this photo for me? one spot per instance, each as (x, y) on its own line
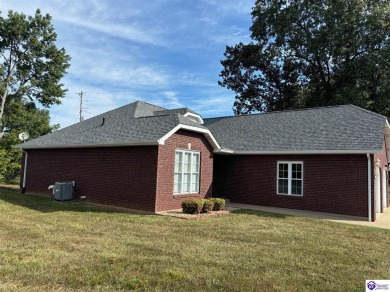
(178, 213)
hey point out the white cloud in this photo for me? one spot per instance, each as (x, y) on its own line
(163, 52)
(95, 101)
(173, 100)
(130, 77)
(211, 105)
(231, 6)
(126, 32)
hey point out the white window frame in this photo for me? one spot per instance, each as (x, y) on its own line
(289, 163)
(191, 173)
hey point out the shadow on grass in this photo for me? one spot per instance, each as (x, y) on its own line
(48, 205)
(260, 213)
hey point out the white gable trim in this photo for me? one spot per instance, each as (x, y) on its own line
(194, 116)
(205, 132)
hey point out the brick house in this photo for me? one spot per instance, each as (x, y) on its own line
(141, 156)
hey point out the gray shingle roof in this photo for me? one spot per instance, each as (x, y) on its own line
(327, 129)
(335, 128)
(182, 111)
(135, 123)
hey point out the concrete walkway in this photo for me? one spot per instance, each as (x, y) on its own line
(382, 220)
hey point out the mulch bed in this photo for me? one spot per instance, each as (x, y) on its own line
(9, 187)
(179, 214)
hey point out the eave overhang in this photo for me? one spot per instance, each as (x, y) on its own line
(91, 145)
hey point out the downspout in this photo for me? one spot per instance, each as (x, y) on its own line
(369, 186)
(24, 172)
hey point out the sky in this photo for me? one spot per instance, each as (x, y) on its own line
(165, 52)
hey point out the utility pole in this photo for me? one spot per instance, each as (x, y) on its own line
(81, 105)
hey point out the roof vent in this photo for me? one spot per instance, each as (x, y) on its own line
(194, 117)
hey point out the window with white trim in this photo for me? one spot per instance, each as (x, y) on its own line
(290, 178)
(186, 178)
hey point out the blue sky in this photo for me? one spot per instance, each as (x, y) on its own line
(166, 52)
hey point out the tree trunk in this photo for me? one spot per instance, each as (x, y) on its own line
(2, 105)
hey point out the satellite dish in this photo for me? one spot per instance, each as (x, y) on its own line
(24, 136)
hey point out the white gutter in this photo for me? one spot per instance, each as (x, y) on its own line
(114, 144)
(24, 171)
(224, 151)
(283, 152)
(369, 185)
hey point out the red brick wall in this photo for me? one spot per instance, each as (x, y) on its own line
(165, 200)
(118, 176)
(331, 183)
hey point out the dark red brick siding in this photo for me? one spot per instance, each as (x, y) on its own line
(118, 176)
(165, 200)
(332, 183)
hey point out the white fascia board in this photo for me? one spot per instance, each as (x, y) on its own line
(198, 117)
(138, 143)
(206, 132)
(239, 152)
(224, 151)
(387, 139)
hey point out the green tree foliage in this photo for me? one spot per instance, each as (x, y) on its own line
(20, 117)
(31, 66)
(312, 53)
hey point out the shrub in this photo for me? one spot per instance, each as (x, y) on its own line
(219, 204)
(191, 206)
(208, 206)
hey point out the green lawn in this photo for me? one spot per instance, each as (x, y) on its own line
(45, 245)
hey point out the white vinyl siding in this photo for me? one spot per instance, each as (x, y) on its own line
(290, 178)
(186, 177)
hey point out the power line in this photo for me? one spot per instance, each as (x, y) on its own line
(74, 113)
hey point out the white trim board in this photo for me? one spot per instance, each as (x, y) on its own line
(60, 146)
(206, 132)
(284, 152)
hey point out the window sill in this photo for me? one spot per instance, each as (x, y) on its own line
(191, 195)
(287, 195)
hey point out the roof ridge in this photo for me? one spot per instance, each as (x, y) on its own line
(134, 109)
(297, 110)
(97, 116)
(163, 108)
(368, 111)
(176, 118)
(187, 109)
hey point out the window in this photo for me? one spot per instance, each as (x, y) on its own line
(186, 178)
(290, 178)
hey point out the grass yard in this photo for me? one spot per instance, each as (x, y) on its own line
(45, 245)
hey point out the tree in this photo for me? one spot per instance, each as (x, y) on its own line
(31, 66)
(312, 53)
(20, 117)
